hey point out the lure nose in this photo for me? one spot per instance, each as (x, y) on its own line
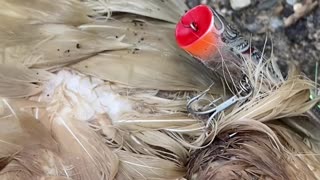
(194, 33)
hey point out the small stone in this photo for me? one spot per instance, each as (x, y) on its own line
(291, 2)
(224, 11)
(276, 23)
(267, 4)
(239, 4)
(297, 7)
(204, 1)
(192, 3)
(254, 27)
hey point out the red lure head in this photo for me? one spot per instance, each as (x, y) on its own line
(195, 32)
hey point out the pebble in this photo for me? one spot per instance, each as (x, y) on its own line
(291, 2)
(297, 7)
(276, 23)
(224, 11)
(254, 27)
(267, 4)
(193, 3)
(239, 4)
(204, 1)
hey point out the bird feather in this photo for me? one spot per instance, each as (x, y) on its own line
(54, 44)
(154, 62)
(135, 166)
(166, 10)
(17, 80)
(43, 11)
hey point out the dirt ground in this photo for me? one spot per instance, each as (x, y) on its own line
(298, 43)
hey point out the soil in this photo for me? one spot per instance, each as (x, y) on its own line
(263, 19)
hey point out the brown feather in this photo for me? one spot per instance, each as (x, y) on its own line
(246, 155)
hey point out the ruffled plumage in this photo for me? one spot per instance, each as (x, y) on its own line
(90, 96)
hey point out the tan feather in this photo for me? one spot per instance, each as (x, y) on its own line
(33, 163)
(53, 45)
(138, 31)
(163, 141)
(154, 62)
(128, 128)
(79, 141)
(84, 149)
(116, 130)
(39, 156)
(33, 151)
(18, 81)
(43, 11)
(165, 121)
(291, 98)
(18, 72)
(167, 10)
(145, 69)
(135, 166)
(18, 89)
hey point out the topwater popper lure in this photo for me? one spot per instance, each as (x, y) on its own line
(207, 36)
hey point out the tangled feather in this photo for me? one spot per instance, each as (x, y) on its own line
(87, 94)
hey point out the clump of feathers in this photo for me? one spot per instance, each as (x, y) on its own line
(87, 94)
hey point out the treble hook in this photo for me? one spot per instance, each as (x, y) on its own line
(226, 104)
(244, 93)
(196, 99)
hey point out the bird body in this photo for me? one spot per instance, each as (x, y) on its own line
(97, 89)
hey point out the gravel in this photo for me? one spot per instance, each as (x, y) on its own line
(239, 4)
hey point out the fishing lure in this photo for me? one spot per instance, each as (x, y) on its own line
(207, 36)
(202, 32)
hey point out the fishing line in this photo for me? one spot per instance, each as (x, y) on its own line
(217, 46)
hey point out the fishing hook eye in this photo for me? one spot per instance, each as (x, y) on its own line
(194, 26)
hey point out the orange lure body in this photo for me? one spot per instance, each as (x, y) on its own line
(195, 33)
